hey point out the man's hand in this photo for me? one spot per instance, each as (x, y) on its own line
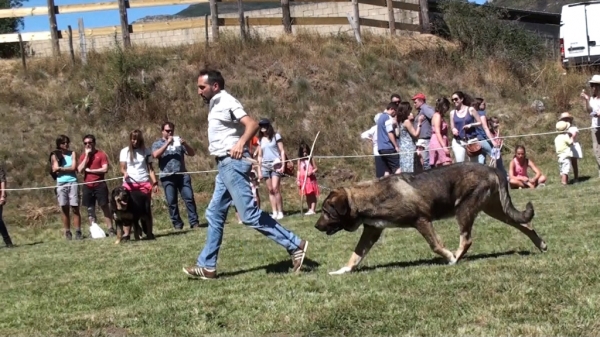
(237, 150)
(2, 201)
(170, 139)
(88, 150)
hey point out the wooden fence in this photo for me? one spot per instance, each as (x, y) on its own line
(213, 21)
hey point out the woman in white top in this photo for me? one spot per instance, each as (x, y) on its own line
(138, 174)
(592, 106)
(136, 165)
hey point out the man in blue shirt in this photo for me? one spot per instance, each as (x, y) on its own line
(170, 152)
(387, 144)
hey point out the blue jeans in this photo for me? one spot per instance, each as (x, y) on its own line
(232, 185)
(182, 183)
(486, 147)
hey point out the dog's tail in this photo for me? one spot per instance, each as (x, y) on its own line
(507, 206)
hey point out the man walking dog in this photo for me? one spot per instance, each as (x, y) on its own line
(230, 128)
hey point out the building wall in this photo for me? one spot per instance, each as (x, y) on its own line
(198, 35)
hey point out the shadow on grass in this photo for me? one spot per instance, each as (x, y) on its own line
(280, 267)
(181, 231)
(581, 179)
(441, 261)
(23, 245)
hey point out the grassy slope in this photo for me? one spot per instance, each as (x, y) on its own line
(305, 85)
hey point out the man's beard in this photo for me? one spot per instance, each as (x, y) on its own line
(206, 100)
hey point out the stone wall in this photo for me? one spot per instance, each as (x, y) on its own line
(197, 35)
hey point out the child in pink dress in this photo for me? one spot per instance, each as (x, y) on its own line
(439, 153)
(306, 170)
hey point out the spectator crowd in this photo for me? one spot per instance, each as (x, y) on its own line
(406, 137)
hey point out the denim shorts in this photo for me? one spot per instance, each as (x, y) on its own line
(268, 171)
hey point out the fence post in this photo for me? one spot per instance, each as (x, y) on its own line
(123, 4)
(82, 42)
(242, 19)
(424, 16)
(206, 31)
(356, 20)
(22, 53)
(214, 19)
(71, 51)
(392, 18)
(53, 28)
(286, 16)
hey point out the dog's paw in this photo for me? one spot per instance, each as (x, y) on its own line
(341, 271)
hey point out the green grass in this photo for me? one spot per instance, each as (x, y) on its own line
(505, 286)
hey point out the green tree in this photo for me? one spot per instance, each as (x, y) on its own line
(10, 25)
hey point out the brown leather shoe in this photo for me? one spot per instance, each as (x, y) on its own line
(298, 256)
(200, 272)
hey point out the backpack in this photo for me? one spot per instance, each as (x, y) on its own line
(59, 158)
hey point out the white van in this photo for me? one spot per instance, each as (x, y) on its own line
(580, 34)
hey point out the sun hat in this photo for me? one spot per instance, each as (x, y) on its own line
(595, 79)
(566, 116)
(562, 125)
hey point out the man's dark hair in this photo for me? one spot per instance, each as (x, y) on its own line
(395, 96)
(392, 105)
(213, 76)
(90, 137)
(171, 125)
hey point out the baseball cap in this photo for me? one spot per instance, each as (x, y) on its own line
(419, 96)
(264, 121)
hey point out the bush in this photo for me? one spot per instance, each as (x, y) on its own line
(481, 32)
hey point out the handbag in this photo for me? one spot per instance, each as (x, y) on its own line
(473, 148)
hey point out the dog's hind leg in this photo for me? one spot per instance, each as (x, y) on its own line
(494, 209)
(369, 237)
(425, 227)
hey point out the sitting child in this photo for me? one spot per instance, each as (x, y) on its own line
(517, 171)
(564, 150)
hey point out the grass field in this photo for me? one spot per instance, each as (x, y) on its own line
(504, 286)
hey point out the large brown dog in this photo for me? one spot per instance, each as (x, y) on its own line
(415, 200)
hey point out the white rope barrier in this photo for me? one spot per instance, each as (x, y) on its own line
(300, 158)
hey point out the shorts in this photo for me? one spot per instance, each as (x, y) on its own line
(391, 162)
(564, 165)
(268, 171)
(91, 195)
(67, 194)
(145, 187)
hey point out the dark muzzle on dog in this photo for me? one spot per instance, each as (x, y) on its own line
(121, 200)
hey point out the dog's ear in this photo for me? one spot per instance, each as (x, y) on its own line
(340, 203)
